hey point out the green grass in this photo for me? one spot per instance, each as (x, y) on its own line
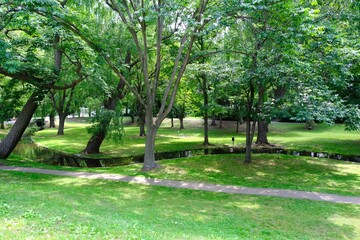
(331, 139)
(270, 171)
(266, 171)
(324, 138)
(34, 206)
(50, 207)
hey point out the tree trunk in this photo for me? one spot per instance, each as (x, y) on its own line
(149, 158)
(142, 119)
(237, 125)
(262, 133)
(172, 122)
(248, 141)
(142, 125)
(181, 119)
(250, 130)
(8, 144)
(62, 118)
(2, 125)
(206, 109)
(220, 126)
(52, 120)
(213, 121)
(262, 124)
(249, 110)
(94, 143)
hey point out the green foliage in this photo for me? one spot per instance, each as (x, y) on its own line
(352, 118)
(24, 41)
(30, 131)
(109, 122)
(313, 104)
(309, 48)
(12, 95)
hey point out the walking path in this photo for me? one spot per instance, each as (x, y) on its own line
(194, 185)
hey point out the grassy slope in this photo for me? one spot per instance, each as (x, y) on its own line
(268, 171)
(36, 206)
(332, 139)
(273, 171)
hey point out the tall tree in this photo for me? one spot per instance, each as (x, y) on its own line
(151, 24)
(22, 43)
(265, 36)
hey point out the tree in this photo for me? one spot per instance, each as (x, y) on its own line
(327, 58)
(21, 37)
(264, 36)
(151, 24)
(107, 115)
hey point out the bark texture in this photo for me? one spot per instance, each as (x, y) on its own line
(181, 119)
(62, 118)
(94, 143)
(262, 133)
(52, 120)
(142, 123)
(206, 110)
(213, 121)
(149, 158)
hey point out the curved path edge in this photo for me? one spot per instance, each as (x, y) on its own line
(194, 185)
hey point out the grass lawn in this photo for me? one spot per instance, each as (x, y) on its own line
(331, 139)
(34, 206)
(270, 171)
(266, 171)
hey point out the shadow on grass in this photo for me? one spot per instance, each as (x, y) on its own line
(266, 171)
(116, 208)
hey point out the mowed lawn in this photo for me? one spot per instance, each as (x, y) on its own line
(331, 139)
(267, 170)
(34, 206)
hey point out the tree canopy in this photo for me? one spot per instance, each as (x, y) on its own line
(251, 60)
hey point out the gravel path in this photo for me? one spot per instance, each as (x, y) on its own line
(195, 185)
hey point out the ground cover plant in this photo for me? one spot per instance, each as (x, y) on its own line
(43, 206)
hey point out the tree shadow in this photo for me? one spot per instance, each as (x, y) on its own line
(115, 208)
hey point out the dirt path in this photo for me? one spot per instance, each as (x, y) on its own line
(194, 185)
